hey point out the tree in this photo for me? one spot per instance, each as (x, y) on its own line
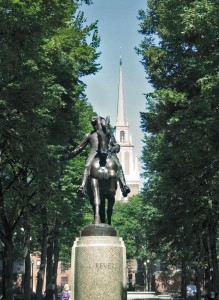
(127, 220)
(180, 56)
(44, 54)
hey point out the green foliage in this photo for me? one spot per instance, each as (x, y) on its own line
(180, 155)
(127, 220)
(46, 49)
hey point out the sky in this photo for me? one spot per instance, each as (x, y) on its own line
(118, 29)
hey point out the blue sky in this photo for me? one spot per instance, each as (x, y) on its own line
(118, 28)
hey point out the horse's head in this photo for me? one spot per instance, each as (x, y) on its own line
(103, 139)
(100, 126)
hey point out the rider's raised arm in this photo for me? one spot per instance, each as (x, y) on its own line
(80, 147)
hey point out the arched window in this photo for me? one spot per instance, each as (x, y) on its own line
(122, 136)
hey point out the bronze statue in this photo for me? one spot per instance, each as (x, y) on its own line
(102, 169)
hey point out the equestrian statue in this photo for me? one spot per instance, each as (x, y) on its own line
(102, 169)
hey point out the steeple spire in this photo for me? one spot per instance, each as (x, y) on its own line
(121, 117)
(123, 137)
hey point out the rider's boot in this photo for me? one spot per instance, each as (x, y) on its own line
(124, 188)
(82, 189)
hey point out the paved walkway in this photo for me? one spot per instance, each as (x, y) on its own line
(146, 295)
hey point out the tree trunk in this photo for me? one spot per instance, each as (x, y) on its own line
(214, 261)
(41, 272)
(53, 257)
(56, 261)
(206, 247)
(207, 285)
(7, 255)
(184, 279)
(50, 250)
(8, 270)
(3, 273)
(27, 260)
(199, 280)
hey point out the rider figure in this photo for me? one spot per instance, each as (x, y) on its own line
(114, 148)
(91, 138)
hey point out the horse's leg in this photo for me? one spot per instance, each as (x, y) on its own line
(111, 201)
(111, 198)
(95, 188)
(102, 209)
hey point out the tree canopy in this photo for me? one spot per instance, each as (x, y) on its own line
(181, 154)
(46, 49)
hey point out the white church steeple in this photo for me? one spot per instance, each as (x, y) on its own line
(121, 116)
(126, 156)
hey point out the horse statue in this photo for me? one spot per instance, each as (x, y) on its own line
(102, 169)
(102, 180)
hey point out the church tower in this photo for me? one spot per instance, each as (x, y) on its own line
(126, 155)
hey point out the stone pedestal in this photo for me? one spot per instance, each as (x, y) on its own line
(99, 265)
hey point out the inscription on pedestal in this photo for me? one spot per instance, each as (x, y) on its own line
(100, 266)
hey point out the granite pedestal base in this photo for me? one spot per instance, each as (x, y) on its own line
(98, 265)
